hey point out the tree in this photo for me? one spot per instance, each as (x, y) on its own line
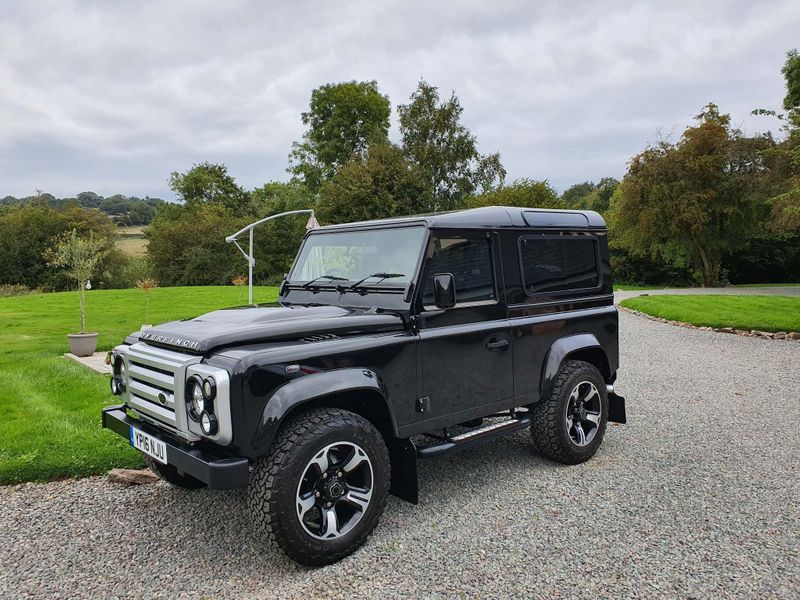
(444, 150)
(276, 242)
(80, 257)
(590, 196)
(573, 196)
(523, 193)
(783, 160)
(28, 230)
(209, 183)
(791, 73)
(381, 184)
(187, 245)
(343, 119)
(694, 199)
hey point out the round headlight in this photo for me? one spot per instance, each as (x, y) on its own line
(209, 388)
(118, 376)
(197, 399)
(208, 423)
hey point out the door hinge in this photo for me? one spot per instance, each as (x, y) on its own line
(423, 404)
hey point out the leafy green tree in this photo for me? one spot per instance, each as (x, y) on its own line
(343, 119)
(590, 196)
(381, 184)
(791, 73)
(186, 244)
(694, 199)
(276, 242)
(28, 230)
(525, 193)
(783, 160)
(574, 195)
(444, 150)
(209, 183)
(80, 257)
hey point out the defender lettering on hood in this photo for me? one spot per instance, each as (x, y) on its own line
(268, 322)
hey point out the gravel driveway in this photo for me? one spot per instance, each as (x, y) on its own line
(696, 497)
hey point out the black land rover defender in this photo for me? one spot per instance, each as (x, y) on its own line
(391, 340)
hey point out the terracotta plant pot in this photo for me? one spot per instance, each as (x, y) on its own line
(82, 344)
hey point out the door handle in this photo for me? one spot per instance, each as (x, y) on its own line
(496, 343)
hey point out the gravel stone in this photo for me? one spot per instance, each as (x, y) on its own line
(697, 496)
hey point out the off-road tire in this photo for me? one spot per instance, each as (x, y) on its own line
(548, 428)
(170, 474)
(271, 493)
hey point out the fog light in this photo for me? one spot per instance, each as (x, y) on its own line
(115, 386)
(208, 423)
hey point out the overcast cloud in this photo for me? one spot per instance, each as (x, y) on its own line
(112, 97)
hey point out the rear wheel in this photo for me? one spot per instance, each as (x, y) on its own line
(322, 489)
(568, 426)
(170, 474)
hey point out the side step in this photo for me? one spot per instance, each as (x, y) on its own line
(474, 437)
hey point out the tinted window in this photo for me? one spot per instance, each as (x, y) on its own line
(564, 263)
(470, 263)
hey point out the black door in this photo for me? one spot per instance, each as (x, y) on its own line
(465, 351)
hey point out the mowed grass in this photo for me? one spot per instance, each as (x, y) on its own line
(762, 313)
(49, 405)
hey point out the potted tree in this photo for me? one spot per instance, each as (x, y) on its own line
(80, 257)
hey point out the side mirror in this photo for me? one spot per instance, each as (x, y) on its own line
(282, 288)
(444, 290)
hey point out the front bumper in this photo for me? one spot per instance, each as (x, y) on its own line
(218, 472)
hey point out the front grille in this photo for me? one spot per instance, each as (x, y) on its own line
(152, 373)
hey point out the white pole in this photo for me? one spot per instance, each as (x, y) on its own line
(231, 239)
(250, 262)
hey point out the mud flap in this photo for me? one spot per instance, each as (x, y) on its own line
(403, 456)
(616, 408)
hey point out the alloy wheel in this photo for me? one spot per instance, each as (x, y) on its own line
(583, 413)
(335, 490)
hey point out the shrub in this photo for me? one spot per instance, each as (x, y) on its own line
(15, 289)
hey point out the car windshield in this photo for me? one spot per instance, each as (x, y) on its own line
(380, 257)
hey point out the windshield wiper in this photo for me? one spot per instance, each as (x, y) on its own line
(381, 277)
(307, 284)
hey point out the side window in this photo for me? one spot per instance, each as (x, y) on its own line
(470, 263)
(551, 264)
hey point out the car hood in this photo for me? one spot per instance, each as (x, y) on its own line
(268, 322)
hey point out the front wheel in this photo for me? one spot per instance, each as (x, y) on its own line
(322, 489)
(568, 427)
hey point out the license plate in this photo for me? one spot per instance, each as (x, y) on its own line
(149, 445)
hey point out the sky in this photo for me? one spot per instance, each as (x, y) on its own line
(113, 97)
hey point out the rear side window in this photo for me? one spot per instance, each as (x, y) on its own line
(551, 264)
(470, 263)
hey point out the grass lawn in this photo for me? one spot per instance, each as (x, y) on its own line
(50, 406)
(763, 313)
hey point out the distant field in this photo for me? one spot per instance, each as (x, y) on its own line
(763, 313)
(50, 406)
(131, 240)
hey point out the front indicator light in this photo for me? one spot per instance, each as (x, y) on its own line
(208, 423)
(209, 388)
